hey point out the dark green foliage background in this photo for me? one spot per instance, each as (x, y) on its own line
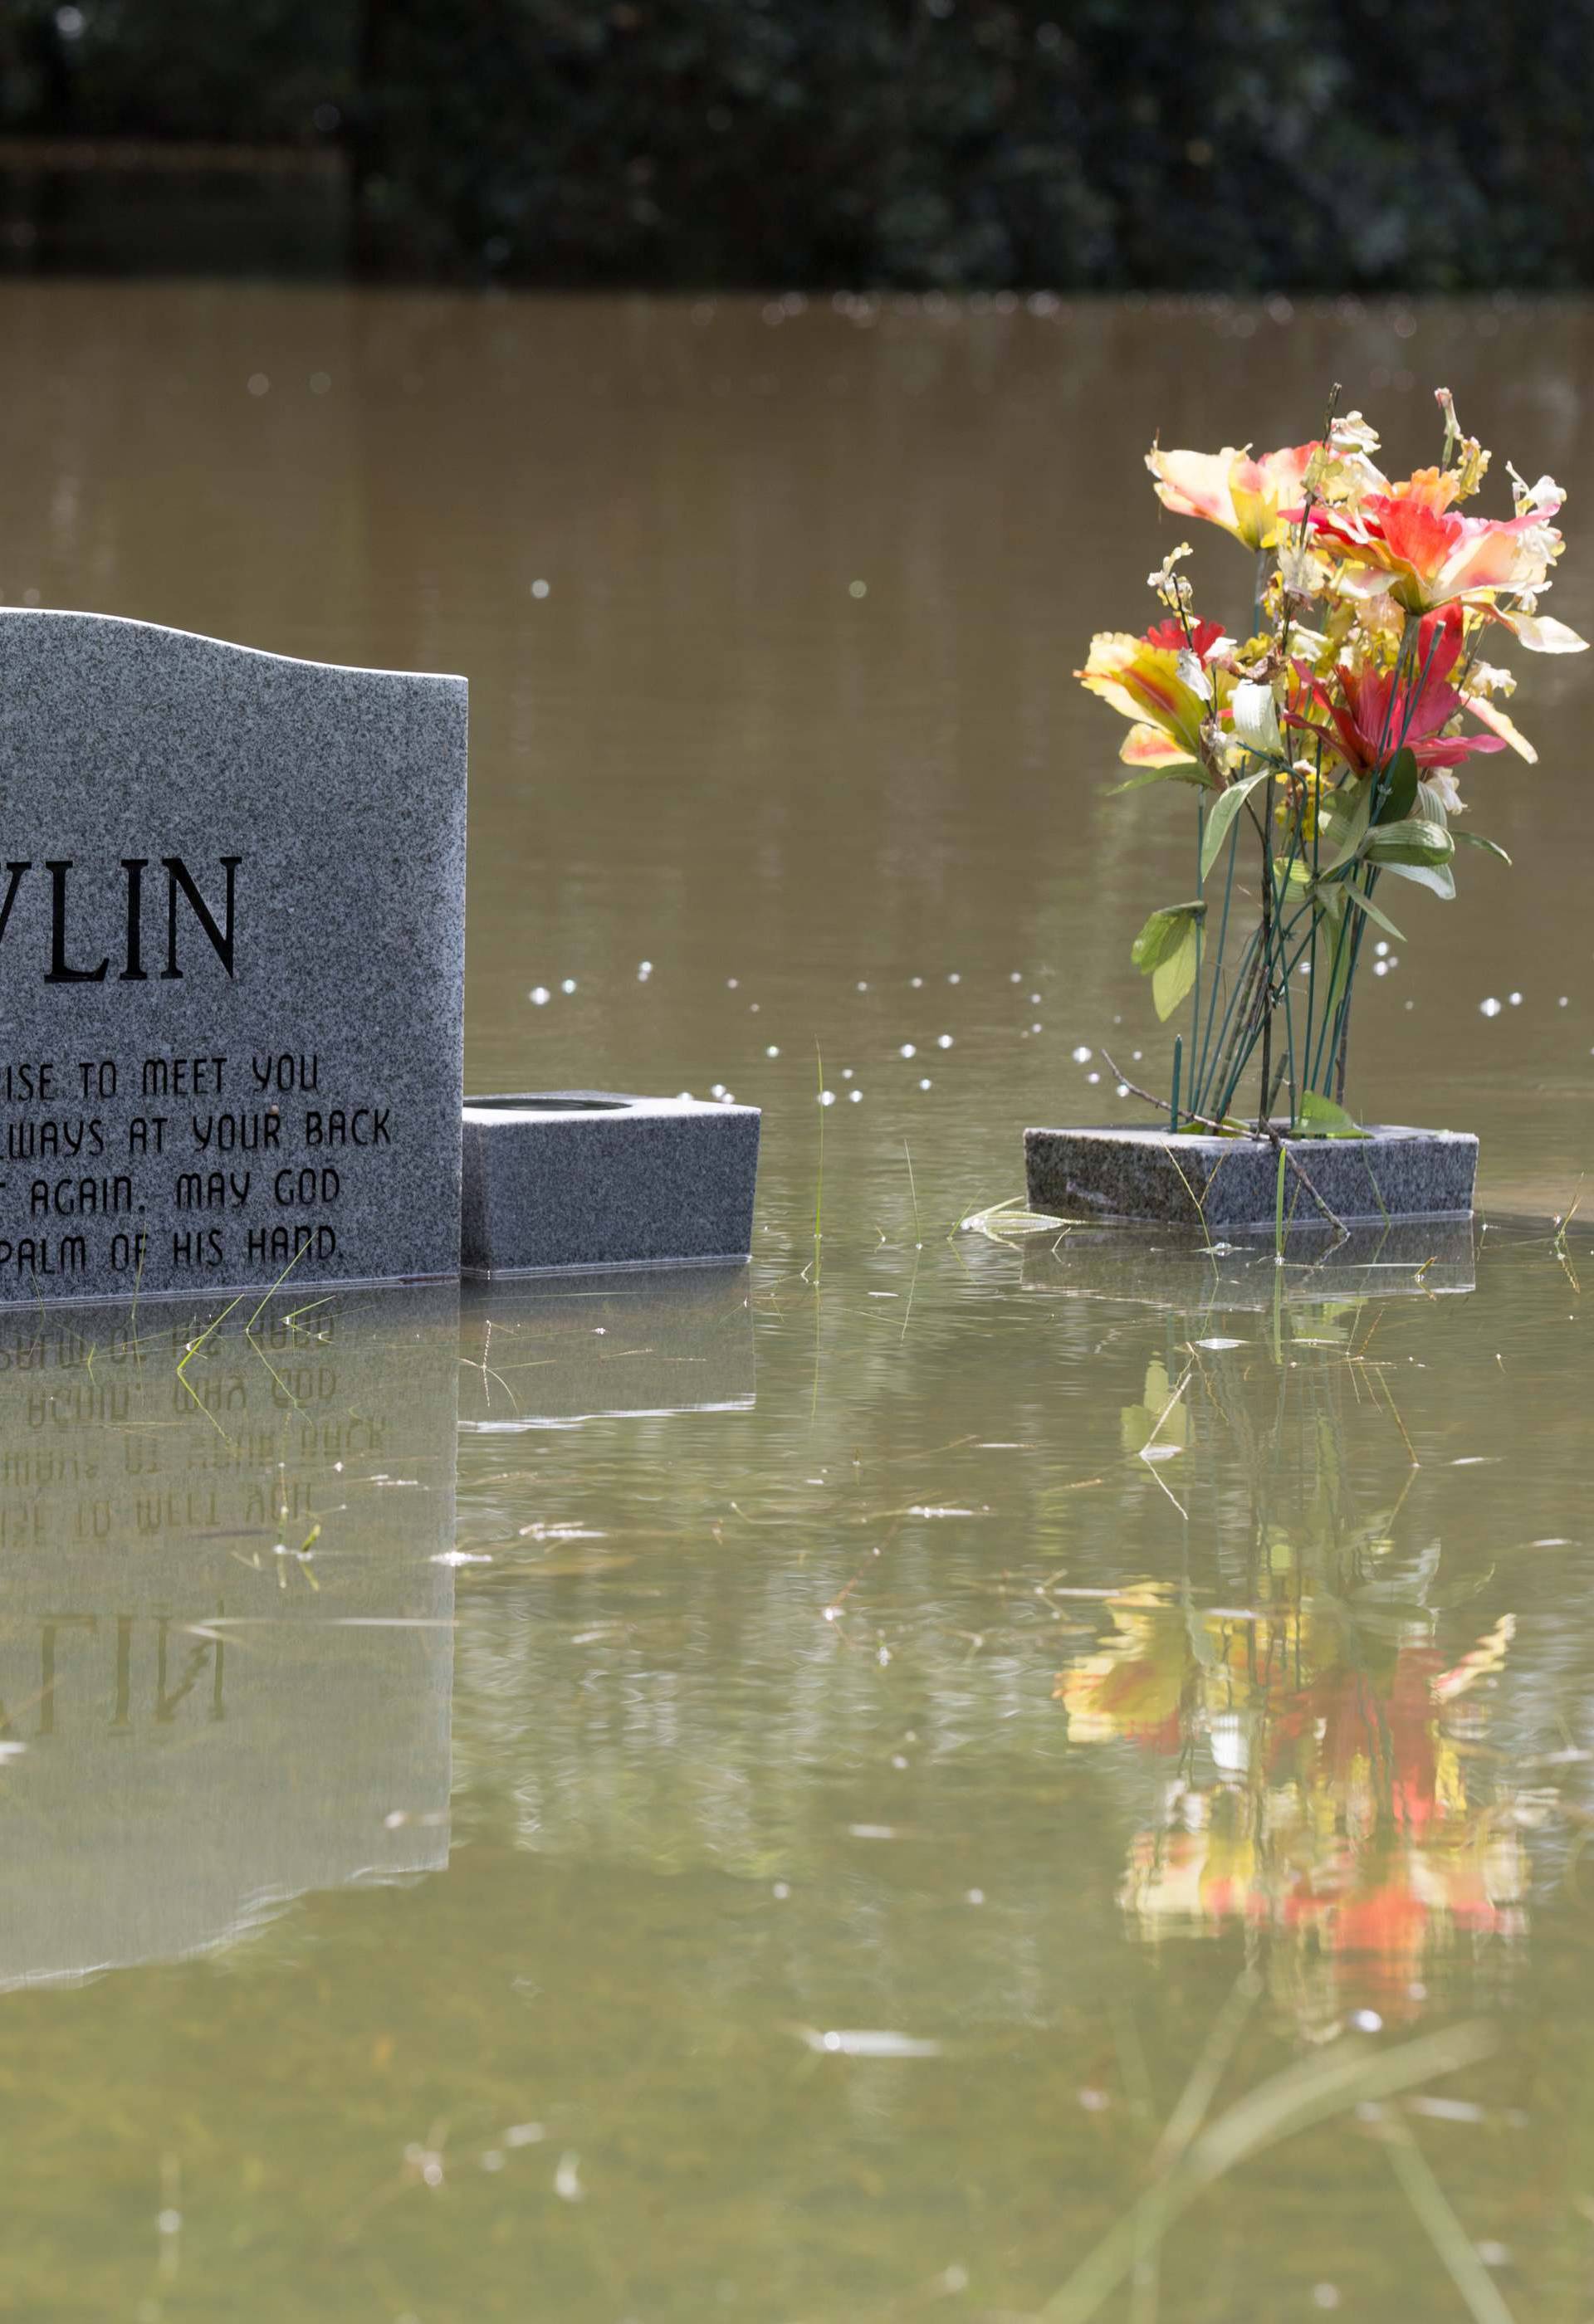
(1431, 144)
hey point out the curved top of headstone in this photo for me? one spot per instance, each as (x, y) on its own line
(231, 947)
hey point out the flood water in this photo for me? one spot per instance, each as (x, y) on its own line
(753, 1794)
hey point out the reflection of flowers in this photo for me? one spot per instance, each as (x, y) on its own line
(1337, 1817)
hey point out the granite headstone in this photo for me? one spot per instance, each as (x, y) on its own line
(232, 918)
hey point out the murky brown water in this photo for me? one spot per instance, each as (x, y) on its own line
(730, 1796)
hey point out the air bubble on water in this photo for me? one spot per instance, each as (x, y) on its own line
(907, 1050)
(1366, 2021)
(717, 1088)
(862, 985)
(780, 1891)
(1123, 1088)
(1034, 1001)
(925, 1084)
(539, 589)
(827, 1097)
(1489, 1007)
(1093, 1077)
(644, 969)
(540, 996)
(1381, 947)
(772, 1051)
(1562, 1002)
(943, 1040)
(954, 978)
(567, 984)
(1517, 1001)
(1135, 1056)
(1016, 977)
(916, 982)
(855, 1096)
(1035, 1028)
(1081, 1055)
(1380, 968)
(731, 983)
(847, 1072)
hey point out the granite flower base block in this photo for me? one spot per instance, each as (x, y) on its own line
(589, 1178)
(1147, 1174)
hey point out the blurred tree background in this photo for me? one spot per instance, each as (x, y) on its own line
(1424, 145)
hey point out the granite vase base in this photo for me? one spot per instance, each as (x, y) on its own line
(1147, 1175)
(565, 1179)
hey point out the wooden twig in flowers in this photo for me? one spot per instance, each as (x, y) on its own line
(1275, 1137)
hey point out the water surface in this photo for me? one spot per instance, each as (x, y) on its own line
(748, 1793)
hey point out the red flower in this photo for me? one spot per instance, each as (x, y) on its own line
(1203, 636)
(1375, 716)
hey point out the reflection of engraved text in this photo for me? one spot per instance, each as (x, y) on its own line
(128, 1671)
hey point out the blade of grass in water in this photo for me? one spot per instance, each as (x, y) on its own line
(1445, 2232)
(1311, 2090)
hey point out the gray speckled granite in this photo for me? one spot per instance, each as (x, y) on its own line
(602, 1345)
(207, 1735)
(297, 1081)
(1143, 1174)
(590, 1178)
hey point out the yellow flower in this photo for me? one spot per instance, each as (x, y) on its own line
(1246, 496)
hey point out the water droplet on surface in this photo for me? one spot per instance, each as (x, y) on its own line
(1517, 1001)
(1489, 1007)
(827, 1097)
(569, 984)
(925, 1084)
(772, 1051)
(540, 588)
(943, 1040)
(1082, 1056)
(540, 995)
(858, 589)
(907, 1050)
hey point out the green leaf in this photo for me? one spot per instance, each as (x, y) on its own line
(1347, 828)
(1175, 973)
(1365, 904)
(1162, 933)
(1476, 839)
(1439, 876)
(1320, 1116)
(1401, 794)
(1186, 770)
(1220, 820)
(1414, 841)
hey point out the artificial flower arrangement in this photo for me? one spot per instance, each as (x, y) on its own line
(1322, 749)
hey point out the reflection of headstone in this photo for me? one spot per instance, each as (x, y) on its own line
(231, 953)
(1176, 1269)
(543, 1354)
(226, 1634)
